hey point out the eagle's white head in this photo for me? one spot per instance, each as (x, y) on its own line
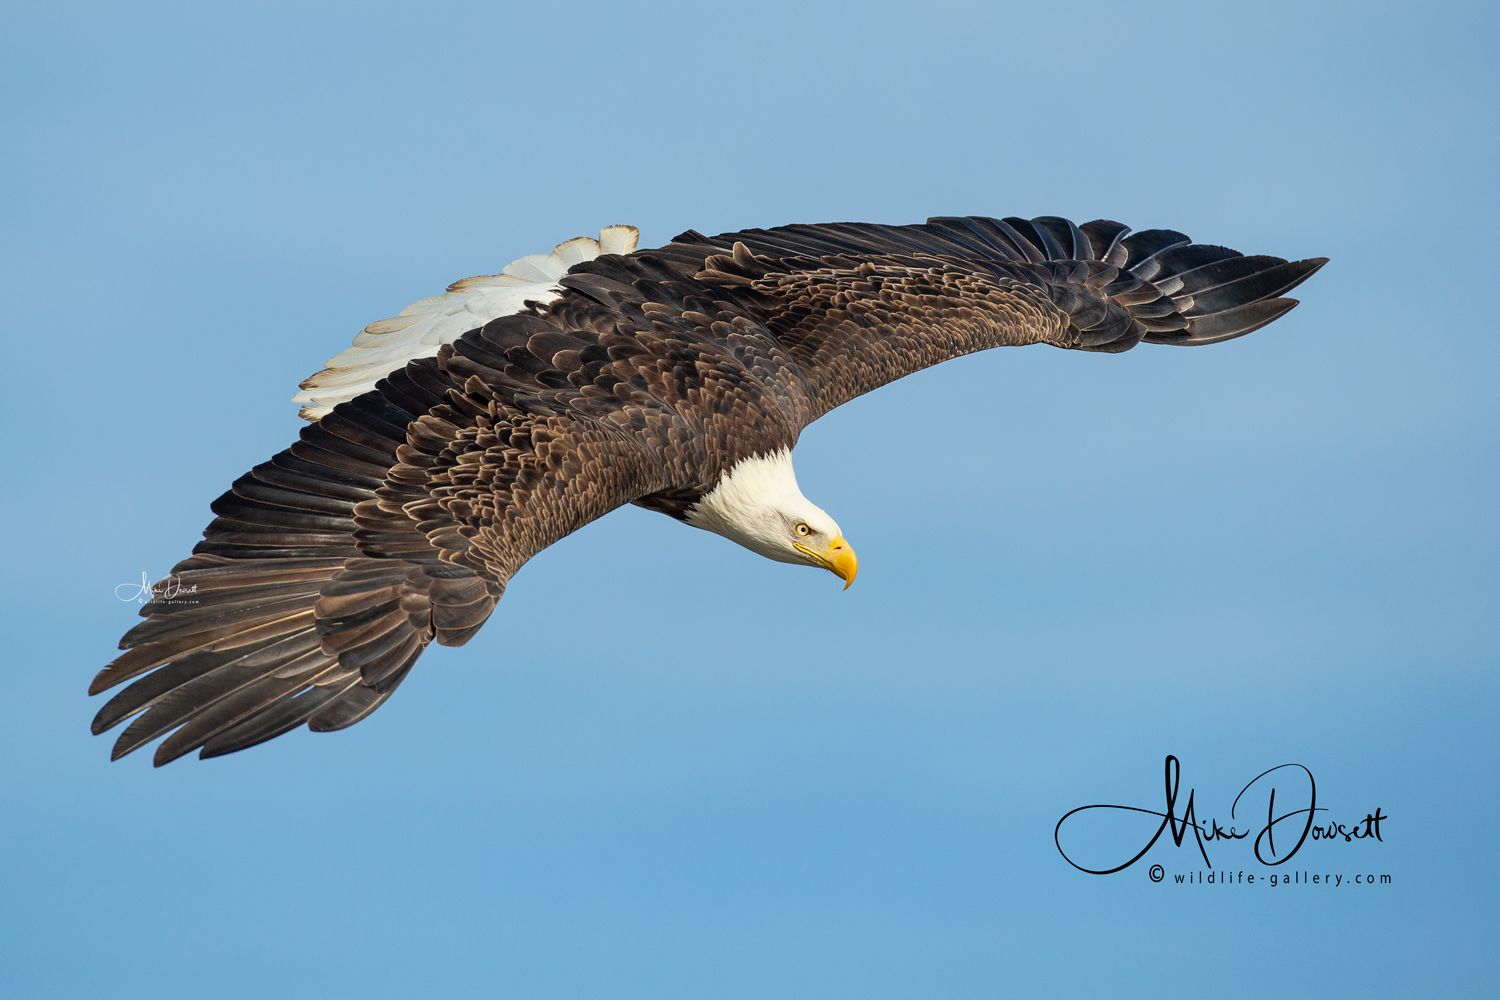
(757, 504)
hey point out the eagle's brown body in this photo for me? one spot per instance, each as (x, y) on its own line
(399, 517)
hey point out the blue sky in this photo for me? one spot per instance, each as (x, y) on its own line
(666, 767)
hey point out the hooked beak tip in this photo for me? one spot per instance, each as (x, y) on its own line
(843, 562)
(838, 558)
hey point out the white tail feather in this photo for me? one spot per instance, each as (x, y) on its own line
(423, 327)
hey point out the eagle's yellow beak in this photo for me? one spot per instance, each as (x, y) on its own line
(838, 558)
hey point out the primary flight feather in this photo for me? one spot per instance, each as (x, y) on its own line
(458, 439)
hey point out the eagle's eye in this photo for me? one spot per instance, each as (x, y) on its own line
(802, 529)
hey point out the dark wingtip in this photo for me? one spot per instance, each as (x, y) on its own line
(1234, 323)
(1305, 269)
(209, 753)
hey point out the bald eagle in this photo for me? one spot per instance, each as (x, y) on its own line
(458, 439)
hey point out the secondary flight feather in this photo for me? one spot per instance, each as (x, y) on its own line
(458, 439)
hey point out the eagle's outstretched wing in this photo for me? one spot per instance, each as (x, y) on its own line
(860, 305)
(396, 519)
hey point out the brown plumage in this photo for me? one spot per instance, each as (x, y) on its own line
(398, 518)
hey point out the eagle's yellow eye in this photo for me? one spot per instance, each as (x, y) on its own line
(802, 529)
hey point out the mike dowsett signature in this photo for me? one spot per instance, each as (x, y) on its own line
(168, 590)
(1293, 826)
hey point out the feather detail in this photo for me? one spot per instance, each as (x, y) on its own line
(422, 328)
